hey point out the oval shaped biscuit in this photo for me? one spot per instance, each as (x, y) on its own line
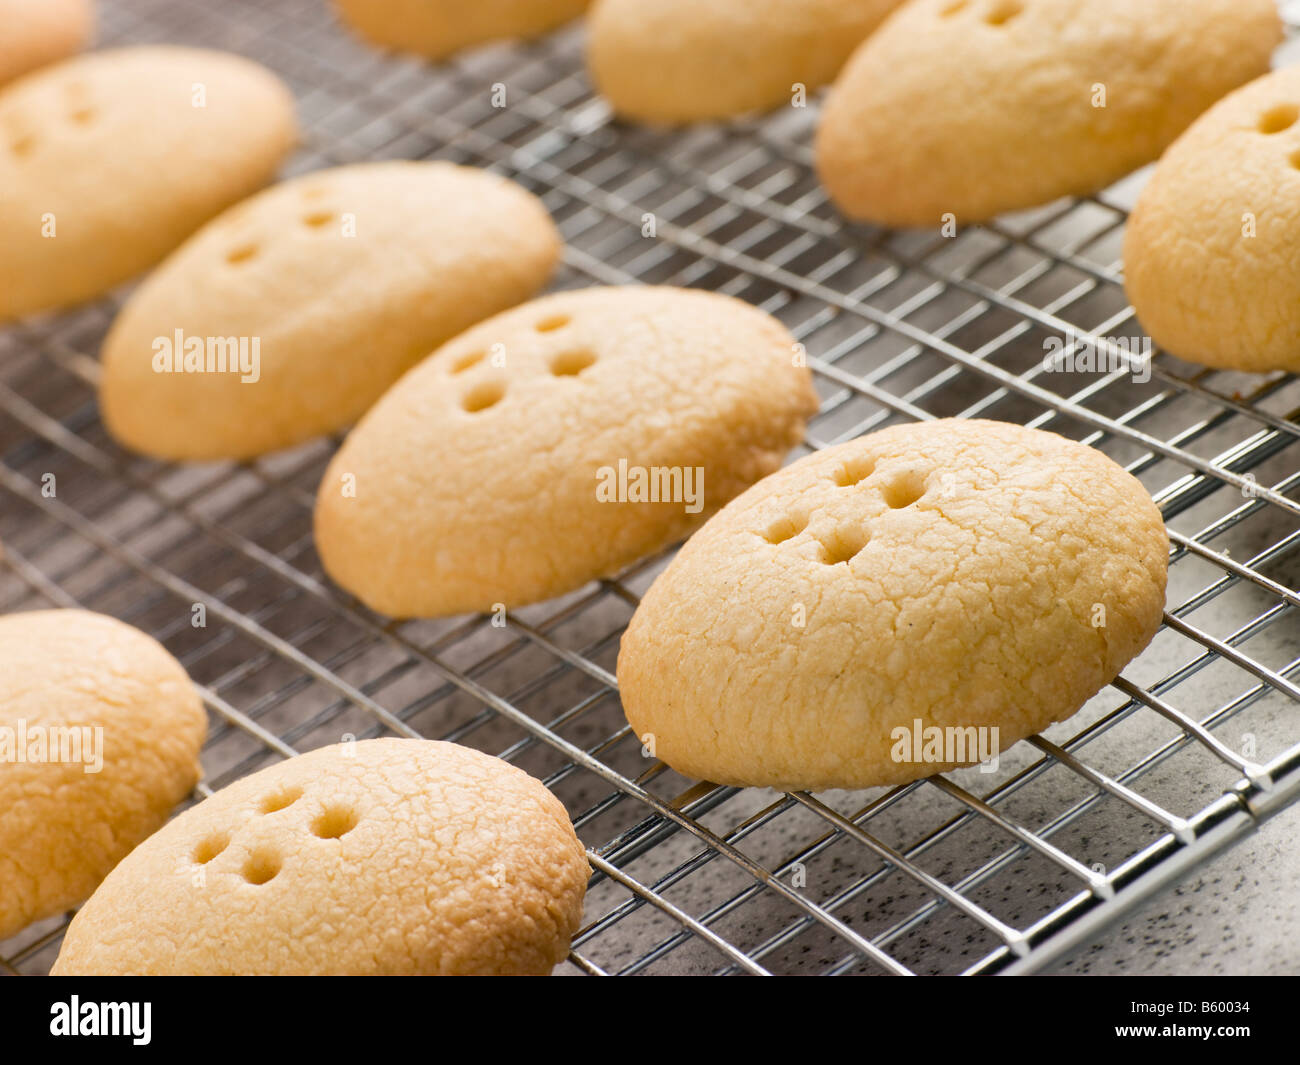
(1211, 253)
(38, 32)
(975, 107)
(436, 28)
(329, 287)
(953, 574)
(110, 160)
(383, 857)
(684, 61)
(100, 731)
(557, 443)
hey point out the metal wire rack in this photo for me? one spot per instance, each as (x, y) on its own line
(1189, 751)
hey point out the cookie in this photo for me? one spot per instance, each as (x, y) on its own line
(436, 28)
(674, 61)
(1211, 253)
(380, 857)
(967, 108)
(100, 731)
(557, 443)
(110, 160)
(972, 577)
(39, 32)
(288, 316)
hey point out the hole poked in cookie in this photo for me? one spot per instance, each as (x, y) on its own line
(318, 219)
(210, 847)
(1277, 119)
(281, 800)
(572, 363)
(1295, 160)
(786, 528)
(953, 7)
(241, 254)
(1003, 11)
(84, 115)
(262, 866)
(334, 822)
(854, 471)
(482, 396)
(552, 323)
(23, 144)
(903, 491)
(467, 362)
(844, 544)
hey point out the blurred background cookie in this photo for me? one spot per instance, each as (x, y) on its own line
(974, 107)
(436, 28)
(290, 314)
(683, 61)
(110, 160)
(36, 32)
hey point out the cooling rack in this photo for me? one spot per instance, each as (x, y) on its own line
(1190, 750)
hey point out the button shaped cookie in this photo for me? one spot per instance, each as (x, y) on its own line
(558, 443)
(319, 293)
(380, 857)
(100, 731)
(974, 107)
(436, 28)
(683, 61)
(1212, 250)
(37, 32)
(109, 161)
(952, 575)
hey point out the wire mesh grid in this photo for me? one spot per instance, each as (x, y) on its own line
(1192, 748)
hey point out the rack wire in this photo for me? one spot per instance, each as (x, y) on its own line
(1189, 751)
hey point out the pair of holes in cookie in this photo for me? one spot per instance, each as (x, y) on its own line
(264, 863)
(898, 494)
(243, 253)
(23, 143)
(841, 546)
(999, 13)
(487, 394)
(260, 867)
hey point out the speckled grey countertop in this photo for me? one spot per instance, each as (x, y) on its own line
(1239, 916)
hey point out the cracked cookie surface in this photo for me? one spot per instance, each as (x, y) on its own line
(950, 572)
(378, 857)
(478, 478)
(62, 828)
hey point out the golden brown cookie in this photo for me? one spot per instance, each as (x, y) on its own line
(973, 107)
(683, 61)
(34, 33)
(110, 160)
(1212, 252)
(100, 731)
(966, 576)
(380, 857)
(557, 443)
(290, 314)
(436, 28)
